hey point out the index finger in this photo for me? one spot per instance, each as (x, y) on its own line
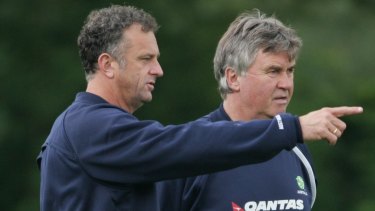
(345, 110)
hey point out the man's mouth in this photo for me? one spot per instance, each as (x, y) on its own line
(281, 99)
(151, 85)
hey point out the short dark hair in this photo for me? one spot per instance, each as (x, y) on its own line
(103, 31)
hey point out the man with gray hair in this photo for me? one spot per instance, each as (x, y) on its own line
(254, 66)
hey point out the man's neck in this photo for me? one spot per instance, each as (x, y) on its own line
(237, 111)
(99, 87)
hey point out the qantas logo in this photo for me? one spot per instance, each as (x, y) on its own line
(236, 207)
(270, 205)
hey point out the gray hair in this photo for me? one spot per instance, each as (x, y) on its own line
(246, 35)
(103, 31)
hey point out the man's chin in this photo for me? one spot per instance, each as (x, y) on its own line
(147, 99)
(278, 111)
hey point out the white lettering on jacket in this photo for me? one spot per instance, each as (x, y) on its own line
(280, 122)
(274, 205)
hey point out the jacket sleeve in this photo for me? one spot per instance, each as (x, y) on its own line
(115, 147)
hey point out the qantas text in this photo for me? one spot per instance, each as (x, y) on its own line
(286, 204)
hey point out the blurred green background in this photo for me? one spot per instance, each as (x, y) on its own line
(40, 73)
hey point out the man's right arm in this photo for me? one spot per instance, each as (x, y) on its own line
(119, 148)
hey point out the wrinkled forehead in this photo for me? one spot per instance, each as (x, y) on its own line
(287, 52)
(138, 40)
(281, 59)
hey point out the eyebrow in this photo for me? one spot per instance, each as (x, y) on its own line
(292, 66)
(149, 55)
(273, 67)
(278, 67)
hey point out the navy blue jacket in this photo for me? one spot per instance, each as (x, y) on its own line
(100, 157)
(280, 183)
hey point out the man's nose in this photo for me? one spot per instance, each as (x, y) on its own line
(285, 80)
(157, 70)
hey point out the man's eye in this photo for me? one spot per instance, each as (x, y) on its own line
(273, 72)
(290, 71)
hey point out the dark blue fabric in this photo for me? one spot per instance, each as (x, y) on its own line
(269, 185)
(100, 157)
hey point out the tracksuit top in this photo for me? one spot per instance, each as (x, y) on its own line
(279, 183)
(99, 157)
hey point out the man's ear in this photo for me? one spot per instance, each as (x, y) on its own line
(105, 65)
(232, 79)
